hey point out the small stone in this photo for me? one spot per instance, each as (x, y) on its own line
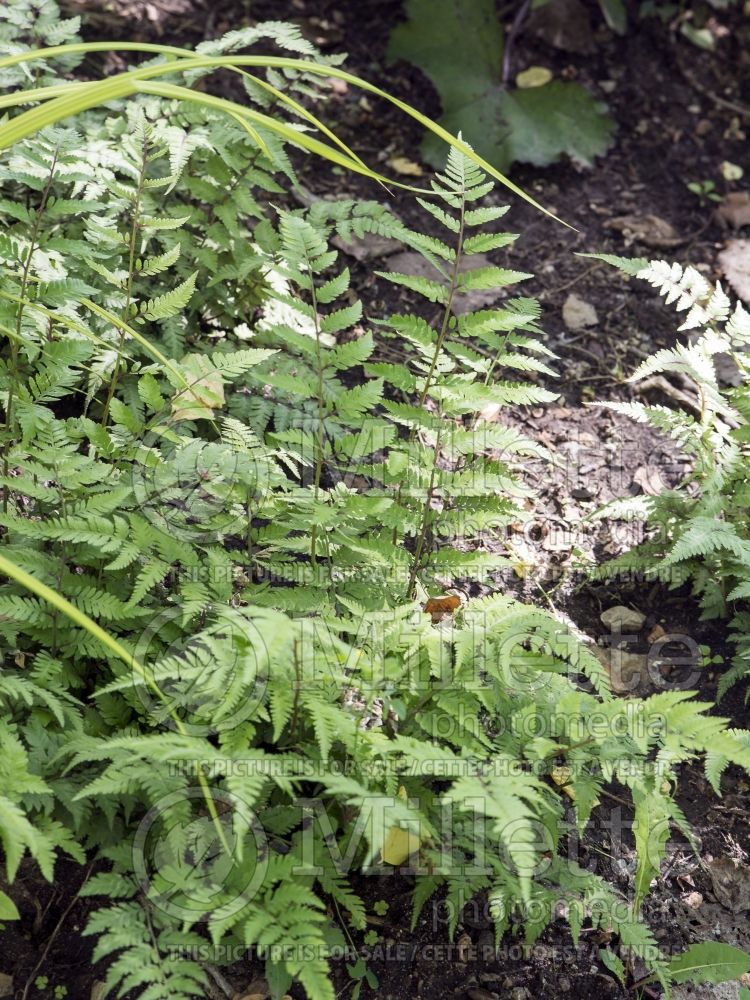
(6, 985)
(563, 984)
(367, 247)
(693, 900)
(657, 632)
(622, 619)
(577, 313)
(582, 493)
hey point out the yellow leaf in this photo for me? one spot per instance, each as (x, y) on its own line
(403, 166)
(561, 777)
(534, 76)
(200, 398)
(399, 844)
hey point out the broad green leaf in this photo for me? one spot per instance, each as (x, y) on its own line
(546, 122)
(651, 832)
(459, 47)
(8, 909)
(709, 962)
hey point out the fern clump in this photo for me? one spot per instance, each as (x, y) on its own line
(226, 494)
(699, 531)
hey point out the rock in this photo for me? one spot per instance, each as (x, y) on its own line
(622, 619)
(418, 266)
(628, 672)
(564, 24)
(367, 247)
(6, 985)
(577, 313)
(519, 993)
(734, 261)
(693, 900)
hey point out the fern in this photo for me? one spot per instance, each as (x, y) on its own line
(700, 531)
(209, 451)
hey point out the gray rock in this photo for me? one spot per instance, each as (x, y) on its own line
(622, 619)
(578, 314)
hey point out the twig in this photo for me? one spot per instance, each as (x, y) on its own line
(574, 281)
(225, 987)
(515, 28)
(685, 398)
(723, 102)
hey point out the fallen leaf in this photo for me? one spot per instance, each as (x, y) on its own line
(578, 314)
(735, 209)
(730, 171)
(256, 989)
(734, 261)
(534, 76)
(657, 632)
(399, 844)
(464, 946)
(439, 607)
(561, 776)
(731, 884)
(404, 166)
(648, 477)
(650, 230)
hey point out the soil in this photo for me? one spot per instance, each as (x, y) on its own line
(670, 101)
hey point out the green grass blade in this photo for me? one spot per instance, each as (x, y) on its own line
(18, 127)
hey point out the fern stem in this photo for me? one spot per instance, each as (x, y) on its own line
(321, 414)
(442, 336)
(134, 230)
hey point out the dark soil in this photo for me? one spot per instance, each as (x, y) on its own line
(674, 126)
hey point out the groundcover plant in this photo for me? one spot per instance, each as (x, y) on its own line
(231, 506)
